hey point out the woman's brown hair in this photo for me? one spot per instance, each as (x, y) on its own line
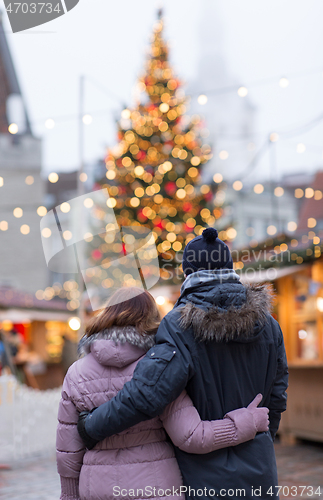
(130, 306)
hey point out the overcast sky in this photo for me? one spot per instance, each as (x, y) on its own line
(107, 41)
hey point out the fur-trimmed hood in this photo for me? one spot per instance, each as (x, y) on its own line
(226, 311)
(117, 346)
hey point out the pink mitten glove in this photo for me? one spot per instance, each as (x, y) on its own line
(248, 421)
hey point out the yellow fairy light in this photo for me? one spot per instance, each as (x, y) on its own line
(111, 174)
(170, 226)
(163, 126)
(88, 203)
(237, 185)
(111, 202)
(309, 192)
(139, 171)
(179, 139)
(181, 193)
(223, 155)
(191, 222)
(3, 225)
(299, 193)
(125, 114)
(126, 161)
(158, 198)
(150, 191)
(202, 99)
(192, 172)
(134, 149)
(258, 188)
(218, 178)
(41, 211)
(172, 84)
(279, 191)
(205, 213)
(164, 107)
(74, 324)
(139, 192)
(177, 246)
(25, 229)
(189, 189)
(205, 189)
(311, 222)
(29, 180)
(13, 128)
(172, 115)
(88, 237)
(65, 207)
(130, 136)
(46, 232)
(18, 212)
(171, 237)
(53, 177)
(231, 233)
(1, 181)
(242, 91)
(291, 226)
(318, 195)
(271, 230)
(180, 182)
(67, 235)
(83, 177)
(134, 202)
(195, 161)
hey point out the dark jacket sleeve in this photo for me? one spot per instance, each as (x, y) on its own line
(158, 379)
(278, 398)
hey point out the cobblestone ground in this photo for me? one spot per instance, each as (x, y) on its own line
(299, 465)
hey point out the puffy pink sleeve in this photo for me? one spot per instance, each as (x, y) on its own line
(188, 432)
(69, 445)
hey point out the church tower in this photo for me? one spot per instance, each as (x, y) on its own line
(228, 117)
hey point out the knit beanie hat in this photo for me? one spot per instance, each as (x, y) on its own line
(206, 251)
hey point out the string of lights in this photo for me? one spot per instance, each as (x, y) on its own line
(242, 90)
(202, 99)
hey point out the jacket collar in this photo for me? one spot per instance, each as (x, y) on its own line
(209, 276)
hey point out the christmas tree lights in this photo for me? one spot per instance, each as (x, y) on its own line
(153, 173)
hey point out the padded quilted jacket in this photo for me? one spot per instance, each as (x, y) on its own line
(138, 462)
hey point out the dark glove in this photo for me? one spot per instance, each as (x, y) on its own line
(88, 441)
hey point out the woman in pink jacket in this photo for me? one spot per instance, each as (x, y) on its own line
(138, 463)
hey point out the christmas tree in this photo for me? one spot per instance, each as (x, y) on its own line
(154, 171)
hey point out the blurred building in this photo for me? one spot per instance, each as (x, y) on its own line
(253, 216)
(311, 212)
(229, 118)
(39, 328)
(22, 263)
(294, 266)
